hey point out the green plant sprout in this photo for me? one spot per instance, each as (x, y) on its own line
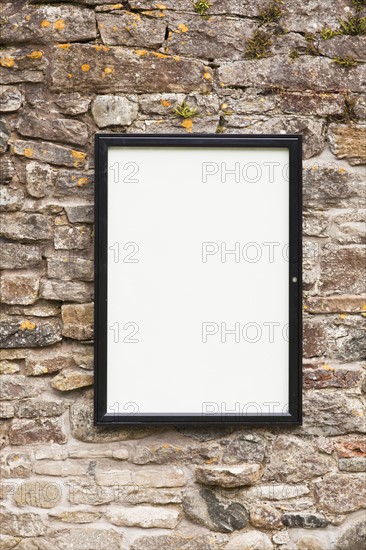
(271, 12)
(347, 61)
(185, 111)
(258, 45)
(201, 7)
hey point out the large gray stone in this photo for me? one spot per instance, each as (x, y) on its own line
(25, 226)
(111, 110)
(10, 99)
(47, 124)
(25, 333)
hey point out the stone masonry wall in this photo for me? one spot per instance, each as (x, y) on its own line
(71, 68)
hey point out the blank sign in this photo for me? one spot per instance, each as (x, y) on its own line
(198, 279)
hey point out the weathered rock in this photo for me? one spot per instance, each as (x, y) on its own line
(243, 447)
(21, 65)
(353, 537)
(307, 73)
(15, 465)
(8, 542)
(314, 338)
(37, 123)
(7, 170)
(330, 377)
(60, 468)
(346, 339)
(71, 380)
(53, 362)
(82, 516)
(19, 288)
(22, 525)
(344, 46)
(147, 477)
(72, 104)
(43, 24)
(341, 493)
(55, 154)
(39, 494)
(66, 291)
(315, 225)
(342, 270)
(144, 516)
(125, 28)
(332, 412)
(15, 256)
(306, 16)
(4, 135)
(229, 476)
(34, 408)
(354, 464)
(40, 430)
(79, 539)
(349, 228)
(69, 237)
(109, 110)
(11, 199)
(252, 539)
(312, 103)
(78, 321)
(154, 496)
(17, 387)
(10, 99)
(295, 459)
(279, 492)
(83, 429)
(334, 304)
(348, 142)
(39, 179)
(9, 367)
(25, 333)
(67, 267)
(74, 182)
(205, 508)
(328, 185)
(83, 213)
(265, 516)
(25, 226)
(175, 125)
(304, 520)
(115, 69)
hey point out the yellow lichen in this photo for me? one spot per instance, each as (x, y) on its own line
(69, 75)
(63, 46)
(27, 325)
(183, 28)
(108, 70)
(165, 103)
(7, 62)
(207, 75)
(45, 23)
(36, 54)
(85, 67)
(100, 48)
(82, 181)
(78, 155)
(343, 315)
(160, 55)
(176, 57)
(327, 367)
(59, 25)
(28, 152)
(187, 123)
(161, 6)
(141, 52)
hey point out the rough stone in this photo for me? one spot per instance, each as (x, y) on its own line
(10, 99)
(348, 142)
(353, 537)
(307, 73)
(332, 412)
(265, 516)
(69, 237)
(314, 338)
(48, 125)
(79, 539)
(70, 183)
(4, 136)
(83, 213)
(125, 28)
(15, 465)
(341, 493)
(109, 110)
(21, 65)
(7, 170)
(327, 376)
(11, 199)
(312, 103)
(342, 270)
(25, 226)
(39, 494)
(115, 69)
(304, 520)
(32, 408)
(354, 464)
(252, 539)
(309, 543)
(243, 447)
(82, 516)
(71, 380)
(40, 430)
(147, 477)
(9, 367)
(16, 256)
(39, 179)
(330, 185)
(334, 304)
(275, 492)
(205, 508)
(66, 291)
(144, 516)
(295, 459)
(19, 288)
(17, 387)
(154, 496)
(229, 476)
(78, 321)
(55, 154)
(346, 338)
(26, 333)
(69, 267)
(72, 104)
(36, 365)
(83, 429)
(21, 525)
(60, 468)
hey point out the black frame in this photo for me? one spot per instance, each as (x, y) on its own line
(294, 144)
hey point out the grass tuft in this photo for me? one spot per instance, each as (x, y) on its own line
(185, 111)
(258, 45)
(201, 7)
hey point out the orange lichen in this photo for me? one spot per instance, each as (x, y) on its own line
(161, 6)
(64, 46)
(176, 57)
(69, 75)
(82, 181)
(183, 28)
(117, 6)
(207, 75)
(28, 152)
(108, 70)
(85, 67)
(59, 25)
(27, 325)
(160, 55)
(36, 54)
(7, 62)
(78, 154)
(165, 103)
(100, 48)
(45, 23)
(187, 123)
(141, 52)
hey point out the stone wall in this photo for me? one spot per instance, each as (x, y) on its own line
(72, 68)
